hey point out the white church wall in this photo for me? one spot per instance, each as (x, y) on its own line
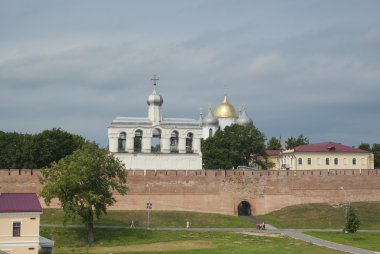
(223, 122)
(160, 161)
(206, 131)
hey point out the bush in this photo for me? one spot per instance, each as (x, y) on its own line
(352, 221)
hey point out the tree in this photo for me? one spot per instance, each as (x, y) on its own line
(52, 145)
(36, 150)
(274, 144)
(376, 153)
(293, 142)
(352, 221)
(365, 146)
(235, 146)
(84, 183)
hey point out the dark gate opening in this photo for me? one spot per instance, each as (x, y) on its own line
(244, 209)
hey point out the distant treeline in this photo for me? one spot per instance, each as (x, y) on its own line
(34, 151)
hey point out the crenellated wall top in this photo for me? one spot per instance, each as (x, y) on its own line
(219, 173)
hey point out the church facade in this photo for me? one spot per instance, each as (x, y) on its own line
(155, 142)
(223, 116)
(160, 143)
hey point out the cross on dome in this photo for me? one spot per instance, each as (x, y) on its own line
(154, 79)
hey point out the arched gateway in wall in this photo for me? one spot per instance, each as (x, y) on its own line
(244, 208)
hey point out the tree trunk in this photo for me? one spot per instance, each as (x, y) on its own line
(90, 233)
(90, 226)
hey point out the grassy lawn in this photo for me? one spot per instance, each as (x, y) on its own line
(369, 241)
(323, 216)
(157, 219)
(72, 240)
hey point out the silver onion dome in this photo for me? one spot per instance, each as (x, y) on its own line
(155, 99)
(244, 119)
(210, 119)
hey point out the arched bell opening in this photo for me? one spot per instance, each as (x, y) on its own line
(174, 142)
(137, 142)
(122, 141)
(244, 209)
(156, 141)
(189, 142)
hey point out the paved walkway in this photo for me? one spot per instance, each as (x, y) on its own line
(293, 233)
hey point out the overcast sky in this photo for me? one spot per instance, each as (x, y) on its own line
(300, 67)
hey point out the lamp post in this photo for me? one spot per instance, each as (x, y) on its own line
(148, 205)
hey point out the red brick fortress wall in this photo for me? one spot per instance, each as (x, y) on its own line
(221, 191)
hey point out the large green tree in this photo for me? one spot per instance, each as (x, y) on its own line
(376, 153)
(52, 145)
(365, 146)
(274, 144)
(19, 150)
(84, 183)
(298, 141)
(375, 149)
(235, 146)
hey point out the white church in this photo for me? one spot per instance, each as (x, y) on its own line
(159, 143)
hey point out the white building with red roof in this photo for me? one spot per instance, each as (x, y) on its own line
(20, 224)
(327, 155)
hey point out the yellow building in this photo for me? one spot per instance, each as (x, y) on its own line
(327, 155)
(20, 225)
(274, 158)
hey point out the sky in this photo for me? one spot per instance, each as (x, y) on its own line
(299, 67)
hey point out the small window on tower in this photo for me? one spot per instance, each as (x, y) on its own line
(210, 133)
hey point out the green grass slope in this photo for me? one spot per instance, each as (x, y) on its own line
(168, 219)
(323, 216)
(72, 240)
(369, 241)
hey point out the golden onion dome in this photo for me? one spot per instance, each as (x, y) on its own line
(225, 110)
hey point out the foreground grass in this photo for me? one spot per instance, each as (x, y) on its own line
(323, 216)
(73, 240)
(369, 241)
(157, 219)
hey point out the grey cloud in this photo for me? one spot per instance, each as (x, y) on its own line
(297, 68)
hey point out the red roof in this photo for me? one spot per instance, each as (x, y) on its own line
(328, 147)
(273, 152)
(19, 203)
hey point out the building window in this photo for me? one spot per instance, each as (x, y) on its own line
(209, 132)
(336, 161)
(189, 142)
(16, 228)
(122, 141)
(308, 161)
(327, 161)
(354, 161)
(299, 161)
